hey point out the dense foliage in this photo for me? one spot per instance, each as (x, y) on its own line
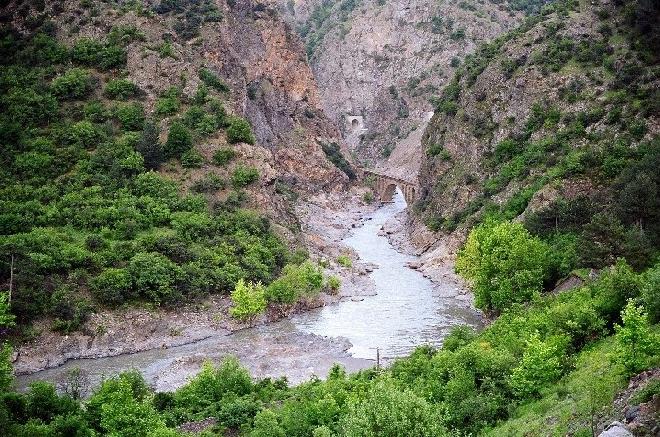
(83, 208)
(584, 342)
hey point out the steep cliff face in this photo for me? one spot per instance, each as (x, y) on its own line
(561, 111)
(379, 62)
(246, 45)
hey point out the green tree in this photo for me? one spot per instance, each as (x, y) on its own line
(651, 293)
(150, 147)
(112, 286)
(540, 366)
(248, 299)
(6, 320)
(121, 89)
(178, 141)
(636, 341)
(504, 263)
(131, 116)
(155, 276)
(73, 84)
(244, 176)
(388, 411)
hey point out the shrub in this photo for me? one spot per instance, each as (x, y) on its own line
(112, 286)
(392, 412)
(239, 131)
(345, 261)
(211, 80)
(121, 89)
(73, 84)
(223, 155)
(244, 176)
(178, 141)
(540, 365)
(131, 116)
(93, 53)
(248, 299)
(368, 197)
(192, 159)
(651, 293)
(168, 103)
(333, 283)
(636, 341)
(154, 276)
(434, 149)
(211, 182)
(296, 281)
(334, 155)
(504, 263)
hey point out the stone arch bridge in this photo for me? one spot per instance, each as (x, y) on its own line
(385, 187)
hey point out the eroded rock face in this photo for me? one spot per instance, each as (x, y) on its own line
(383, 60)
(250, 48)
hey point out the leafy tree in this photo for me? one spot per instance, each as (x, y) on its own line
(266, 425)
(121, 89)
(504, 263)
(388, 411)
(540, 366)
(155, 276)
(249, 299)
(168, 103)
(178, 142)
(75, 83)
(240, 131)
(635, 339)
(112, 286)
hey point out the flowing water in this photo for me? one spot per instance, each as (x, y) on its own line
(408, 311)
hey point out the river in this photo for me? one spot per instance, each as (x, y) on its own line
(407, 311)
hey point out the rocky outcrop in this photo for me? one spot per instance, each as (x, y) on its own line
(383, 60)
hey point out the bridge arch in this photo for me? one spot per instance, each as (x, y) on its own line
(385, 186)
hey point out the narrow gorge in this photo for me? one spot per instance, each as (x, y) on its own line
(329, 218)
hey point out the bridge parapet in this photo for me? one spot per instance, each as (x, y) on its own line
(385, 187)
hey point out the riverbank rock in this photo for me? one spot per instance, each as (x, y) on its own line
(616, 429)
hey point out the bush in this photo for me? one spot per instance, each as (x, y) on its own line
(168, 103)
(73, 84)
(333, 283)
(334, 155)
(210, 183)
(239, 131)
(192, 159)
(345, 261)
(121, 89)
(651, 293)
(154, 277)
(540, 365)
(112, 286)
(178, 141)
(244, 176)
(131, 116)
(249, 300)
(296, 281)
(504, 263)
(636, 341)
(93, 53)
(223, 156)
(211, 80)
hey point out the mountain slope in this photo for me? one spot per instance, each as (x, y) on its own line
(556, 124)
(130, 170)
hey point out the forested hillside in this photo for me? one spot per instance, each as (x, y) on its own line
(543, 153)
(128, 170)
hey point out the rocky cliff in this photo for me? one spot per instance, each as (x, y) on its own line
(557, 122)
(377, 63)
(244, 43)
